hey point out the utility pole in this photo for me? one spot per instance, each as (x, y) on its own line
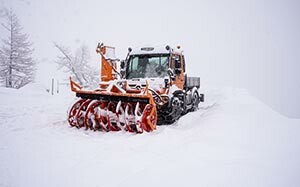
(57, 86)
(52, 87)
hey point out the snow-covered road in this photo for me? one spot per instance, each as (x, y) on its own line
(232, 140)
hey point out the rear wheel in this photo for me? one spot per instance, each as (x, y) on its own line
(195, 101)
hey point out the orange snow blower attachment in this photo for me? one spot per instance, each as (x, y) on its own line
(114, 106)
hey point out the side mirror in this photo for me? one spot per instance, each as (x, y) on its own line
(122, 69)
(122, 64)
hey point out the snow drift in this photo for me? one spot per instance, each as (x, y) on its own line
(232, 140)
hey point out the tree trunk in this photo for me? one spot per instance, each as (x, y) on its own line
(10, 57)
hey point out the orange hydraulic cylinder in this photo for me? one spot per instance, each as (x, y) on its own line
(107, 72)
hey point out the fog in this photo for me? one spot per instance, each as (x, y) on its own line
(245, 44)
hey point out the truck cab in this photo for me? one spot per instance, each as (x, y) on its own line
(159, 63)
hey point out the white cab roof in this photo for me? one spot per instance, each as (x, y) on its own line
(152, 50)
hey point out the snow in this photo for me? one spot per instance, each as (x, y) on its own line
(232, 140)
(173, 88)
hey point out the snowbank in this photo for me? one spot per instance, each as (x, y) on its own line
(232, 140)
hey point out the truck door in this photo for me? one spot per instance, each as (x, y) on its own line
(178, 68)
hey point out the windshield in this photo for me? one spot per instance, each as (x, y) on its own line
(145, 66)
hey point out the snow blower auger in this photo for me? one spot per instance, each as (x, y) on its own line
(151, 89)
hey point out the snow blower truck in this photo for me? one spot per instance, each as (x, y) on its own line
(149, 88)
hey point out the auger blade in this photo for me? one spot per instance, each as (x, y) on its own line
(103, 118)
(137, 113)
(148, 118)
(73, 111)
(112, 116)
(145, 118)
(120, 112)
(80, 115)
(130, 118)
(92, 119)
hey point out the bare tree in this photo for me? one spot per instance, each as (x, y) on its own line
(17, 67)
(77, 65)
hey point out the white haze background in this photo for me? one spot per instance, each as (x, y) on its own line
(245, 44)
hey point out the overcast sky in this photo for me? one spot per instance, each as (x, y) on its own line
(244, 44)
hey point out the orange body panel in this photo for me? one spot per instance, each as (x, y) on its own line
(106, 71)
(179, 79)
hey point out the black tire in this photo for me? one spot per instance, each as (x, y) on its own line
(195, 101)
(182, 98)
